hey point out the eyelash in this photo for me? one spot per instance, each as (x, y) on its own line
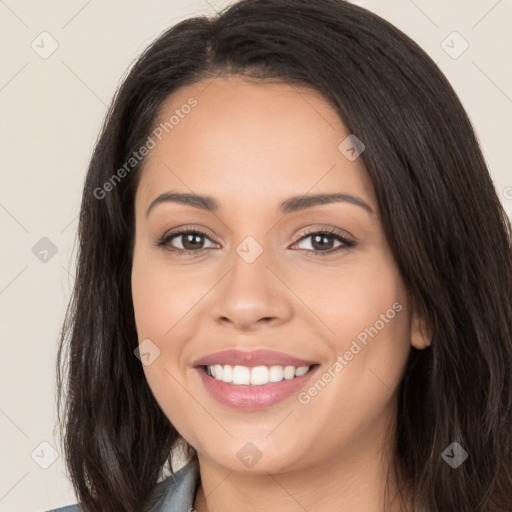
(331, 233)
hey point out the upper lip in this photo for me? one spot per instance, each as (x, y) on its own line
(250, 359)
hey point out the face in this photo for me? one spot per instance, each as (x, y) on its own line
(267, 286)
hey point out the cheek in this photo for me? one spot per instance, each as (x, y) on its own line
(372, 305)
(368, 313)
(369, 350)
(162, 295)
(358, 301)
(161, 299)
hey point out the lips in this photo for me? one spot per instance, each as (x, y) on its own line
(252, 397)
(250, 359)
(248, 398)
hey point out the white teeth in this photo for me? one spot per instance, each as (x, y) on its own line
(301, 371)
(259, 375)
(276, 373)
(255, 376)
(289, 372)
(241, 375)
(218, 372)
(227, 373)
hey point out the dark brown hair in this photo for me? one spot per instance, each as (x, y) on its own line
(443, 221)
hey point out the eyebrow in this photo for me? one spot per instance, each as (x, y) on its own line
(290, 205)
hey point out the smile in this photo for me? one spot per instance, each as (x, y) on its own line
(253, 388)
(255, 376)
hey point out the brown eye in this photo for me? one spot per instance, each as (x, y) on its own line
(191, 241)
(322, 242)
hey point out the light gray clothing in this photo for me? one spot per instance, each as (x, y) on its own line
(174, 494)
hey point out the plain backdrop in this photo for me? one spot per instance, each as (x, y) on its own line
(51, 108)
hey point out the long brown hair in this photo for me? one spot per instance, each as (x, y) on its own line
(443, 221)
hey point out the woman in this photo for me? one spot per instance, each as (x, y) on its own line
(293, 264)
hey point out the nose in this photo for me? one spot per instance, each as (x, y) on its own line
(251, 295)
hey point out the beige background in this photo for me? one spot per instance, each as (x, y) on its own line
(51, 110)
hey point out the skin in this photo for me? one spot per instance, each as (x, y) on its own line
(251, 145)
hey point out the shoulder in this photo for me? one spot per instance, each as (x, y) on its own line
(175, 493)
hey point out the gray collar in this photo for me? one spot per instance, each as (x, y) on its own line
(177, 492)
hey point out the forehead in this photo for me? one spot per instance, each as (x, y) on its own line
(255, 138)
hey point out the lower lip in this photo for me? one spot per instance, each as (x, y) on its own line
(253, 397)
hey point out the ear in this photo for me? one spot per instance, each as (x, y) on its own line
(421, 334)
